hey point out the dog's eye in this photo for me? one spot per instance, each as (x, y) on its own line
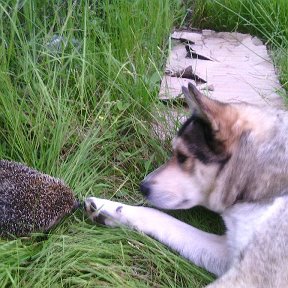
(181, 157)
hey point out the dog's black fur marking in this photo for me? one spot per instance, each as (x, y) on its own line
(185, 125)
(100, 219)
(181, 158)
(199, 137)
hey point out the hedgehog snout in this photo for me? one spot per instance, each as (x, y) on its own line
(77, 204)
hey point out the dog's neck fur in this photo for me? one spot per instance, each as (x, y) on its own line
(243, 184)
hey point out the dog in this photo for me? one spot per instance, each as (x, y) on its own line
(232, 159)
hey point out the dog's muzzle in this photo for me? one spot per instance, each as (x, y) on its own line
(145, 185)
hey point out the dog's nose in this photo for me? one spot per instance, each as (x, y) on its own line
(145, 188)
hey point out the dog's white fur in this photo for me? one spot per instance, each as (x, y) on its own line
(215, 253)
(192, 243)
(242, 173)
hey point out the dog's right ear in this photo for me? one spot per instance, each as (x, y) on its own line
(192, 104)
(222, 117)
(201, 105)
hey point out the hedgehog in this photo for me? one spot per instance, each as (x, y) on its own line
(31, 201)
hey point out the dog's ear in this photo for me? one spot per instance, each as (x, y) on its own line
(191, 102)
(221, 116)
(205, 107)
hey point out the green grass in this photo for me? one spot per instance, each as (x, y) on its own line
(81, 110)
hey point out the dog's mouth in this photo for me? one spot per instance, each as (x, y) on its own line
(165, 202)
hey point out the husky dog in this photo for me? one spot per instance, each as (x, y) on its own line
(231, 159)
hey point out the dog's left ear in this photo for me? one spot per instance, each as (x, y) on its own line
(221, 116)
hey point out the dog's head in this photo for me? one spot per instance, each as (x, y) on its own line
(201, 150)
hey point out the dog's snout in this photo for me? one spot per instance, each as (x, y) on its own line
(145, 188)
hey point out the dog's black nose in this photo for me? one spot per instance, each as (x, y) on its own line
(145, 188)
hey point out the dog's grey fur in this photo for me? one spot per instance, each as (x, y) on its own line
(232, 159)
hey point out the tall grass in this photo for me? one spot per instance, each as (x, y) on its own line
(78, 82)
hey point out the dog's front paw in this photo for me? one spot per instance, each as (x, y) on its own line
(104, 211)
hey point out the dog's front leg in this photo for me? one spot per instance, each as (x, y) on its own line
(204, 249)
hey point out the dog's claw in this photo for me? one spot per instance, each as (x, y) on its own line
(103, 211)
(93, 207)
